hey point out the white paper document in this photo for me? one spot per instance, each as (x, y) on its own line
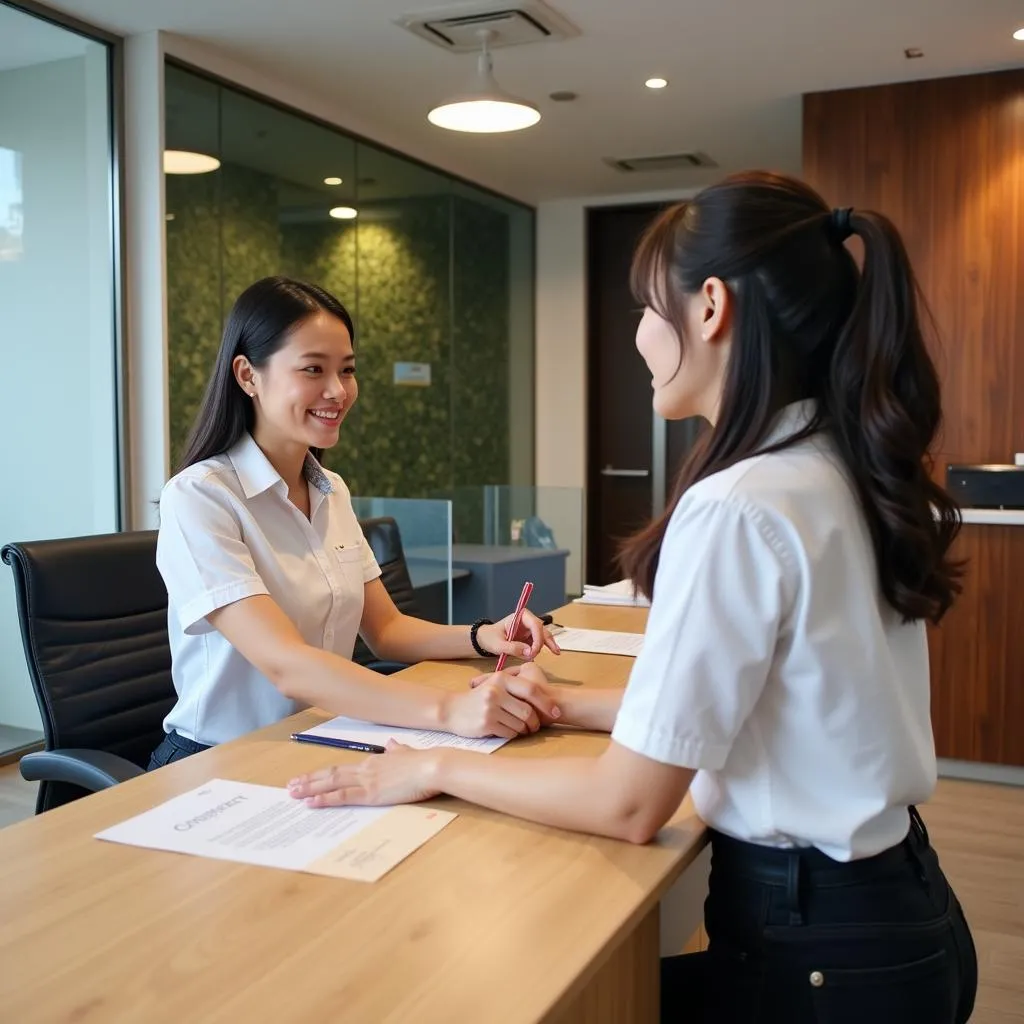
(240, 821)
(343, 728)
(620, 594)
(599, 641)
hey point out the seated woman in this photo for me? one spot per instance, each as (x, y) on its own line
(784, 675)
(268, 575)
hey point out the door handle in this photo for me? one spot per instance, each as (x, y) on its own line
(610, 471)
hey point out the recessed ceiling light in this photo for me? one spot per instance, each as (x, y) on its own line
(1019, 35)
(181, 161)
(344, 213)
(656, 83)
(332, 181)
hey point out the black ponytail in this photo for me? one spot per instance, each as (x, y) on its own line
(883, 403)
(810, 324)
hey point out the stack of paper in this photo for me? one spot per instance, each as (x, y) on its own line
(342, 728)
(621, 594)
(598, 641)
(264, 825)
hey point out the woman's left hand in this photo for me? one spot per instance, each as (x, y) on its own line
(530, 638)
(401, 776)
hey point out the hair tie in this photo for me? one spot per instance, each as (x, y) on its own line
(839, 223)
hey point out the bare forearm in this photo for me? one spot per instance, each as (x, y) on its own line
(409, 639)
(342, 687)
(587, 707)
(567, 793)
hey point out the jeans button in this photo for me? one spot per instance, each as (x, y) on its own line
(817, 979)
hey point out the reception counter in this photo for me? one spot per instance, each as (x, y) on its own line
(977, 652)
(993, 516)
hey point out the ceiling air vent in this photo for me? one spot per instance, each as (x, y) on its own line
(667, 162)
(457, 28)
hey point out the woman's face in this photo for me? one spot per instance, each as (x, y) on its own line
(687, 376)
(306, 388)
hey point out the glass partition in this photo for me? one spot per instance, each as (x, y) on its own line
(438, 275)
(527, 517)
(425, 526)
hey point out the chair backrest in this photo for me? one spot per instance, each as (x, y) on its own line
(93, 614)
(385, 540)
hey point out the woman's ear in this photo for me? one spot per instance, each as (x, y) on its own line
(716, 310)
(245, 375)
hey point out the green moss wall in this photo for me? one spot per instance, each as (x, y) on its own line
(427, 280)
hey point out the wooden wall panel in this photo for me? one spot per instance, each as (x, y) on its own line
(945, 160)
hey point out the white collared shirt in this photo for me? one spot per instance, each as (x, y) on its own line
(227, 532)
(773, 665)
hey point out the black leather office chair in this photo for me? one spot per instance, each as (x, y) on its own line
(93, 614)
(385, 542)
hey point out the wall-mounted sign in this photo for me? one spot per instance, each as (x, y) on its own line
(412, 375)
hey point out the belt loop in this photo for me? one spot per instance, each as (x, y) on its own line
(918, 821)
(917, 840)
(793, 889)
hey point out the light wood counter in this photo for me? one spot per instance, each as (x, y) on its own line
(495, 920)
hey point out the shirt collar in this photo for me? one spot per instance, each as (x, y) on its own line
(314, 474)
(256, 474)
(790, 420)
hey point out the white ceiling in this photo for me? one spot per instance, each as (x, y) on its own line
(736, 69)
(26, 41)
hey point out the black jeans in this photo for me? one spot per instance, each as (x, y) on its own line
(173, 748)
(795, 937)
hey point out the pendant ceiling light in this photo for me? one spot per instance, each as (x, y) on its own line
(183, 161)
(485, 106)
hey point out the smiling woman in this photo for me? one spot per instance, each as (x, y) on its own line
(268, 575)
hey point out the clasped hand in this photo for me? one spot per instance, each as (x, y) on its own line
(516, 701)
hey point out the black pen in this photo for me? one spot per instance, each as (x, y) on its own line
(330, 741)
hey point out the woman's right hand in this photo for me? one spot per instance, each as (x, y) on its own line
(500, 704)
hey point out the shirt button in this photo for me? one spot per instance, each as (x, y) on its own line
(817, 979)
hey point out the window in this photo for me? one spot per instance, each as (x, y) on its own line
(59, 457)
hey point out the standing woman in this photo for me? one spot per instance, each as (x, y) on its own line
(268, 575)
(784, 675)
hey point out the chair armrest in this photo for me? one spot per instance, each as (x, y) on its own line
(386, 668)
(91, 769)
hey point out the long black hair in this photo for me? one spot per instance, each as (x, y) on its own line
(810, 324)
(258, 325)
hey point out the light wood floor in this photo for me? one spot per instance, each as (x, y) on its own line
(978, 830)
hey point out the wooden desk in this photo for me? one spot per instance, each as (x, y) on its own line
(495, 920)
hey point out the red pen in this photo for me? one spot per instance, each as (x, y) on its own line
(516, 619)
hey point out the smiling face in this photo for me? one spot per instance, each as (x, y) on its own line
(305, 389)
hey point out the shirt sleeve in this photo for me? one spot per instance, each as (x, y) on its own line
(721, 593)
(200, 553)
(371, 570)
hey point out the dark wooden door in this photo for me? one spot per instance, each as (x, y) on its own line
(619, 468)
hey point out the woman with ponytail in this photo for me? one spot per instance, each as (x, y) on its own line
(784, 675)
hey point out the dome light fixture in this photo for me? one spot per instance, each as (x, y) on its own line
(485, 107)
(182, 161)
(344, 212)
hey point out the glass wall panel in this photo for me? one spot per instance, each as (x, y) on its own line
(59, 460)
(437, 274)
